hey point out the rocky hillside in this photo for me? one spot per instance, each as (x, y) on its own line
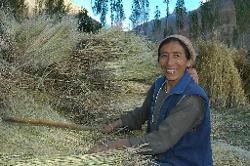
(227, 19)
(73, 8)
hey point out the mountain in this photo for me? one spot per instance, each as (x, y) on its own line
(227, 20)
(73, 8)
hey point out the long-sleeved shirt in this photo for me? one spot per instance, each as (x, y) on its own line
(184, 117)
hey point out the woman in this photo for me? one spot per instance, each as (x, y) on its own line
(176, 109)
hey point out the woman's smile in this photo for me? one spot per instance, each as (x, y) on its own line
(173, 61)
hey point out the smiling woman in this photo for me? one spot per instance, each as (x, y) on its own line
(173, 61)
(176, 110)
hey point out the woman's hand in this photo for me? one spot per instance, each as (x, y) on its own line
(108, 128)
(119, 144)
(99, 147)
(193, 73)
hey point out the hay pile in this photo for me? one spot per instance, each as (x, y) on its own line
(42, 42)
(242, 62)
(219, 76)
(112, 158)
(56, 59)
(224, 154)
(58, 74)
(7, 35)
(232, 126)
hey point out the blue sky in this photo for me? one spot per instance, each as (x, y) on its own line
(189, 4)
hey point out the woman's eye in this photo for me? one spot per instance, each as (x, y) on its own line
(176, 55)
(163, 56)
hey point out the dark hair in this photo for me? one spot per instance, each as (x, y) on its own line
(168, 40)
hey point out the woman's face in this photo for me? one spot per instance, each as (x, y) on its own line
(173, 61)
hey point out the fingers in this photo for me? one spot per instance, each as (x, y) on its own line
(194, 75)
(108, 128)
(99, 147)
(118, 144)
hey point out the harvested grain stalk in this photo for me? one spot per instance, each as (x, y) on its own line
(47, 122)
(219, 76)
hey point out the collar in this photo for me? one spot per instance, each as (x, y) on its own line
(181, 84)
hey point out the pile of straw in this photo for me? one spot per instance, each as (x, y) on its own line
(242, 62)
(117, 157)
(49, 59)
(42, 42)
(219, 76)
(7, 35)
(50, 76)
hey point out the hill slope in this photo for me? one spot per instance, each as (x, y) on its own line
(227, 21)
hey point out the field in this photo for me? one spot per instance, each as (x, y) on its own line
(56, 73)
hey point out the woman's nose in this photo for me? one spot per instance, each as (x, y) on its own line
(170, 61)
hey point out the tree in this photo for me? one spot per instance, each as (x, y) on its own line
(167, 11)
(242, 17)
(4, 5)
(157, 22)
(194, 27)
(135, 15)
(16, 7)
(59, 7)
(112, 11)
(85, 23)
(117, 12)
(180, 13)
(144, 10)
(39, 7)
(167, 29)
(209, 16)
(120, 16)
(157, 13)
(101, 7)
(50, 8)
(242, 14)
(235, 37)
(140, 12)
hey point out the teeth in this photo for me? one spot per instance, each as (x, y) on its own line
(171, 71)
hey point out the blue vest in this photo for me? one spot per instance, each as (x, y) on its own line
(194, 148)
